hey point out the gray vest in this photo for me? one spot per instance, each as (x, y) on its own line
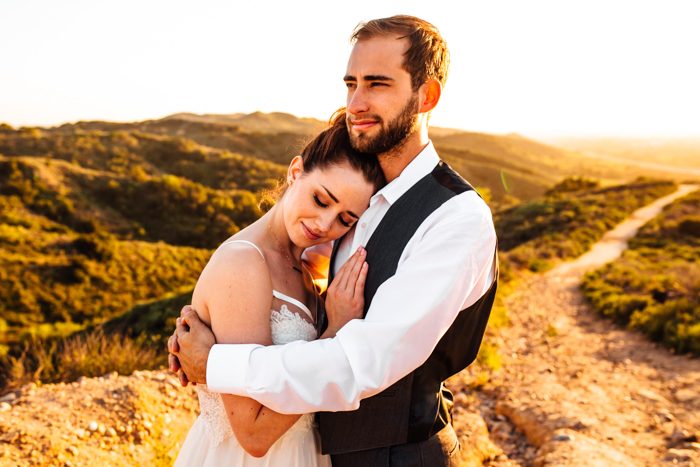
(418, 406)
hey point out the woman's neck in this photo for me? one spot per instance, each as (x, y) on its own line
(280, 235)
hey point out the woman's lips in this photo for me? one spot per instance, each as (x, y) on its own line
(309, 234)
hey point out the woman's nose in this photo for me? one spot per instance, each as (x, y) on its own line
(325, 222)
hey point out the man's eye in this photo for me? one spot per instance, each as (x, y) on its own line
(318, 201)
(378, 84)
(346, 224)
(350, 85)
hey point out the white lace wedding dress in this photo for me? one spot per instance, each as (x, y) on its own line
(211, 442)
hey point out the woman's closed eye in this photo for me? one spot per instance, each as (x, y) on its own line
(340, 218)
(318, 201)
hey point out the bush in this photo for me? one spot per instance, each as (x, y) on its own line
(572, 184)
(655, 286)
(690, 226)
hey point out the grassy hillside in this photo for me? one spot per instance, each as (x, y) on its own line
(108, 225)
(568, 221)
(562, 225)
(655, 286)
(512, 166)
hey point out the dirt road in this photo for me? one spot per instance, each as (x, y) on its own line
(581, 390)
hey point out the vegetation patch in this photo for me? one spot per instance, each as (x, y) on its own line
(655, 286)
(567, 222)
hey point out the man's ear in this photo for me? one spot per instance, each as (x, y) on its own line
(430, 93)
(296, 167)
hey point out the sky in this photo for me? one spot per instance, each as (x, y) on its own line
(538, 68)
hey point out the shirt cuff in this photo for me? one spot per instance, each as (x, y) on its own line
(227, 366)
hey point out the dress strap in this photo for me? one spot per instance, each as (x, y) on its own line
(294, 302)
(276, 294)
(249, 243)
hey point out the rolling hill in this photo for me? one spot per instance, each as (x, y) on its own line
(97, 218)
(677, 152)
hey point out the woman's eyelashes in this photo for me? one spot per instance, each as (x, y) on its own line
(340, 218)
(318, 201)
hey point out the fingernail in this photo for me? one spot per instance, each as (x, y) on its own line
(365, 266)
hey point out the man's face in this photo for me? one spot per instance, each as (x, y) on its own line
(382, 109)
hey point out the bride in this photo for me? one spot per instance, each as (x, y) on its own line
(255, 289)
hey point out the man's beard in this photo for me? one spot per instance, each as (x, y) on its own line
(391, 136)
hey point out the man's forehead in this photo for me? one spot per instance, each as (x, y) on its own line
(377, 55)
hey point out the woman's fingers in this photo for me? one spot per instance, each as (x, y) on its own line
(348, 284)
(354, 273)
(347, 268)
(360, 284)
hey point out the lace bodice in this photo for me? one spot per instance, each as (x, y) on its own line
(285, 327)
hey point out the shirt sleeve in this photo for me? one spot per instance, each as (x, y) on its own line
(448, 269)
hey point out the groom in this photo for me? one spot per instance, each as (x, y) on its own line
(431, 246)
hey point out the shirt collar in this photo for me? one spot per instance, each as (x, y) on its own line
(419, 167)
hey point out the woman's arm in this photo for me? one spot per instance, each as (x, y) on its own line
(236, 291)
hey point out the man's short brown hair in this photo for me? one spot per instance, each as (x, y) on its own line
(427, 56)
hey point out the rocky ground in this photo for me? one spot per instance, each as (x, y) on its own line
(582, 391)
(108, 421)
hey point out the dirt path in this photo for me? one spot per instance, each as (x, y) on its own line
(583, 391)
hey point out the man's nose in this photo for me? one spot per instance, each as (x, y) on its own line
(357, 102)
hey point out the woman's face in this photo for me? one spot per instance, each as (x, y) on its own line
(323, 204)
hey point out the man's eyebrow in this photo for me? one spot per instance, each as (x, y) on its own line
(369, 78)
(378, 78)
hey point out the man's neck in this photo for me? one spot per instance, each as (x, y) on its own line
(397, 158)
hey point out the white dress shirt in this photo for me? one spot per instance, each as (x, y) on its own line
(446, 266)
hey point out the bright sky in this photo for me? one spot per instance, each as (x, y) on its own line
(534, 67)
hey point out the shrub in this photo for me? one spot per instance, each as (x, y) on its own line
(690, 226)
(655, 286)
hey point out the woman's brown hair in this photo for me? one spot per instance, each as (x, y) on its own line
(332, 147)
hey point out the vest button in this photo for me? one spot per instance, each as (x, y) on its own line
(363, 225)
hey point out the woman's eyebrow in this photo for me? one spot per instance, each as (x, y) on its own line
(330, 194)
(336, 200)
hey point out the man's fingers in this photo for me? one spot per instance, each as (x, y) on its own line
(173, 363)
(192, 320)
(183, 378)
(180, 328)
(186, 309)
(173, 346)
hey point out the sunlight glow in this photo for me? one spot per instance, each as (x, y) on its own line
(536, 67)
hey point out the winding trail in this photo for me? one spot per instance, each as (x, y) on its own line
(583, 391)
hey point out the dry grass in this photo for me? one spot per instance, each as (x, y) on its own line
(90, 354)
